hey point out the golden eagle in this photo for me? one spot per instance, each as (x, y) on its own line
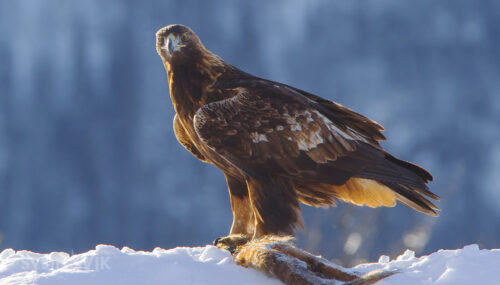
(278, 145)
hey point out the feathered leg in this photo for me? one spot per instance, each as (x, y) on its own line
(240, 205)
(242, 227)
(275, 205)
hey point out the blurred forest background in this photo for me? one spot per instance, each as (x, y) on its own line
(88, 154)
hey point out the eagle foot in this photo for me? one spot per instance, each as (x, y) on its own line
(232, 242)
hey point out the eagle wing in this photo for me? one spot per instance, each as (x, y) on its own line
(271, 128)
(185, 140)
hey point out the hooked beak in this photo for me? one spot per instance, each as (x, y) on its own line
(172, 44)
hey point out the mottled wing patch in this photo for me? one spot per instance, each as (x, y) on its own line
(264, 132)
(265, 127)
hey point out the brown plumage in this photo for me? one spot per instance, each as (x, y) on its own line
(278, 145)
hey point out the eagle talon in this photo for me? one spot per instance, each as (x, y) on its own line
(216, 241)
(231, 242)
(231, 249)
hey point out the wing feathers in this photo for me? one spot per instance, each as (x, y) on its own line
(424, 174)
(288, 136)
(183, 138)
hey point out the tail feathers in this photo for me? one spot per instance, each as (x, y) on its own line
(404, 179)
(420, 171)
(381, 183)
(366, 192)
(407, 180)
(414, 198)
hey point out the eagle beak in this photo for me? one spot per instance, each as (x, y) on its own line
(172, 44)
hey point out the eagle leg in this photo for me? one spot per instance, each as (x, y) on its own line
(240, 205)
(275, 205)
(242, 228)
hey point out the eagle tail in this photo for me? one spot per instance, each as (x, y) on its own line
(413, 198)
(421, 172)
(379, 184)
(407, 180)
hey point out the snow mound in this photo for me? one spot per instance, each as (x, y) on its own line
(110, 265)
(469, 265)
(209, 265)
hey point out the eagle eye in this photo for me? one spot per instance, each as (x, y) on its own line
(184, 37)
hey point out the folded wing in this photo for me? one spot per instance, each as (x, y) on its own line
(275, 129)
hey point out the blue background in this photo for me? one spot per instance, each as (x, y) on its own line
(88, 154)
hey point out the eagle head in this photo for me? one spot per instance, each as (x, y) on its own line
(177, 43)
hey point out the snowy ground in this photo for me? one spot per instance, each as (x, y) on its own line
(209, 265)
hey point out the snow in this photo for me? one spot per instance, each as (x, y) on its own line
(209, 265)
(110, 265)
(462, 266)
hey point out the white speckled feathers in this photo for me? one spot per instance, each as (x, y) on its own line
(262, 127)
(280, 131)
